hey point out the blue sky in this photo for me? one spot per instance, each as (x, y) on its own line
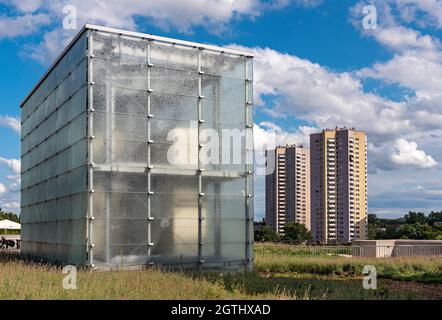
(315, 67)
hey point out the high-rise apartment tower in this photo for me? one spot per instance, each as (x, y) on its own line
(338, 161)
(288, 187)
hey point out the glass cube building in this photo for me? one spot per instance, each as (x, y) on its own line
(138, 150)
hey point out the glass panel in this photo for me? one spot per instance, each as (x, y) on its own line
(130, 127)
(120, 181)
(123, 255)
(133, 50)
(224, 230)
(173, 106)
(130, 101)
(78, 154)
(226, 89)
(79, 179)
(77, 103)
(64, 207)
(99, 151)
(223, 64)
(174, 206)
(177, 238)
(63, 185)
(100, 125)
(105, 45)
(128, 49)
(120, 74)
(174, 81)
(224, 187)
(182, 131)
(120, 126)
(130, 152)
(120, 205)
(78, 129)
(63, 161)
(120, 232)
(226, 207)
(223, 147)
(174, 184)
(180, 156)
(174, 56)
(225, 112)
(225, 252)
(79, 205)
(99, 97)
(174, 253)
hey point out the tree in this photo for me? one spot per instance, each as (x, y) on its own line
(373, 223)
(9, 216)
(434, 217)
(295, 231)
(415, 217)
(266, 233)
(416, 231)
(373, 219)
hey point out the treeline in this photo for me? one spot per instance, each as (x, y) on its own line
(414, 225)
(294, 233)
(9, 215)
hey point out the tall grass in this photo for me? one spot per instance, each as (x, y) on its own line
(19, 280)
(22, 280)
(276, 276)
(422, 269)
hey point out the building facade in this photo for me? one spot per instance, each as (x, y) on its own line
(108, 179)
(288, 187)
(338, 163)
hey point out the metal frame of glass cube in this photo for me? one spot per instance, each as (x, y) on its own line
(98, 186)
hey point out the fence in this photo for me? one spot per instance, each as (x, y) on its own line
(397, 251)
(303, 250)
(374, 251)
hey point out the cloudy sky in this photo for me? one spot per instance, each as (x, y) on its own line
(316, 66)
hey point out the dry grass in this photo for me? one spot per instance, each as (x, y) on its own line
(276, 277)
(22, 280)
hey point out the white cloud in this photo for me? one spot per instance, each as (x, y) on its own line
(24, 5)
(13, 206)
(51, 45)
(432, 10)
(11, 122)
(407, 153)
(11, 27)
(416, 63)
(13, 164)
(411, 71)
(270, 134)
(2, 188)
(183, 16)
(400, 38)
(322, 97)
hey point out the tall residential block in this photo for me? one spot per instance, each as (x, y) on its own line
(288, 187)
(105, 180)
(338, 163)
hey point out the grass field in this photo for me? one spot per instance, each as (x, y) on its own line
(277, 275)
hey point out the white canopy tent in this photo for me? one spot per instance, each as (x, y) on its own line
(9, 225)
